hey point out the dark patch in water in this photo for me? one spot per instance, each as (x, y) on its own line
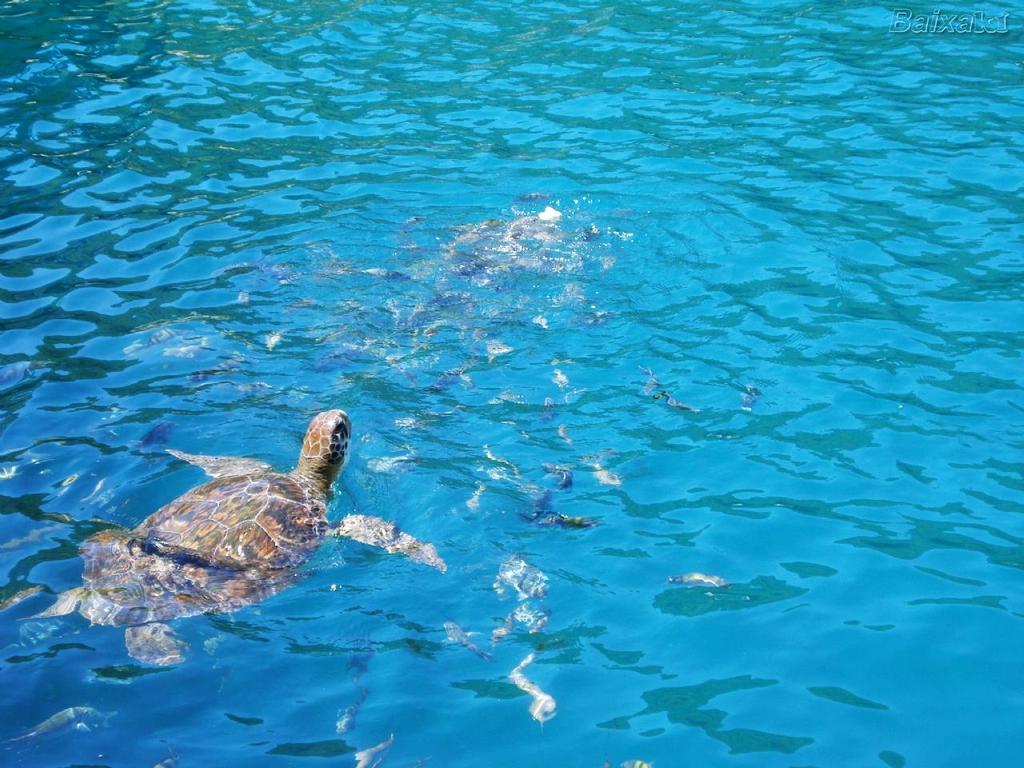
(344, 358)
(244, 720)
(243, 629)
(471, 268)
(447, 300)
(445, 381)
(615, 552)
(359, 663)
(808, 570)
(542, 505)
(686, 601)
(420, 647)
(226, 366)
(50, 653)
(315, 649)
(490, 689)
(688, 706)
(892, 759)
(843, 696)
(327, 748)
(125, 672)
(158, 434)
(620, 657)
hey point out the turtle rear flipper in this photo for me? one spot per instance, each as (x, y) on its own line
(154, 643)
(222, 466)
(67, 602)
(389, 537)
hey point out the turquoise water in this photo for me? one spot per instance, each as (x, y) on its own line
(219, 218)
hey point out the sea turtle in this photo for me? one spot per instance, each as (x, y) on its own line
(232, 541)
(482, 253)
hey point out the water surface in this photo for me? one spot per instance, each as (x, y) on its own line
(221, 217)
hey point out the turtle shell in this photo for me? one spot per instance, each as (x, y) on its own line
(222, 545)
(127, 583)
(263, 521)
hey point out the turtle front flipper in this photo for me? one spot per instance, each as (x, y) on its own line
(389, 537)
(222, 466)
(154, 643)
(67, 602)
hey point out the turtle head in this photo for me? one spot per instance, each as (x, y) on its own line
(325, 449)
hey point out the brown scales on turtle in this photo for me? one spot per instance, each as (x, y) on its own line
(225, 544)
